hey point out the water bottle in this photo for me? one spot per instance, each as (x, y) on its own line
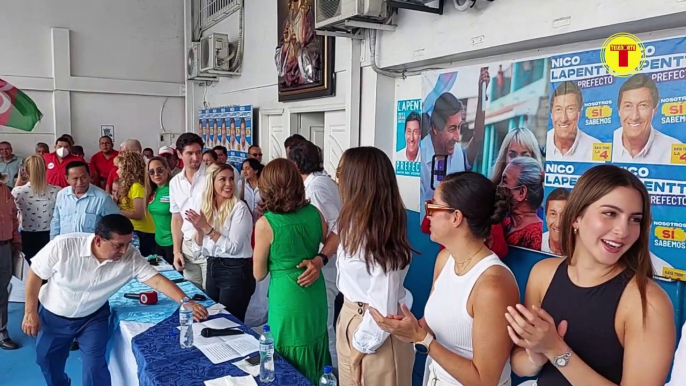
(186, 323)
(136, 241)
(266, 355)
(328, 379)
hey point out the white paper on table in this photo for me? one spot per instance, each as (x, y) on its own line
(219, 323)
(251, 369)
(162, 265)
(215, 309)
(239, 346)
(228, 380)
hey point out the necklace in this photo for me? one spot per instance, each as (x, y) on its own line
(460, 266)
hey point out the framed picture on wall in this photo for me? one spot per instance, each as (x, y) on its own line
(304, 60)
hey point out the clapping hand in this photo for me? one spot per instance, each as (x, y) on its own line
(198, 220)
(535, 331)
(404, 327)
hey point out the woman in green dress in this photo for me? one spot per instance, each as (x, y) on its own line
(291, 231)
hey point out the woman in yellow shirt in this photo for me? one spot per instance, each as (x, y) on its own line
(133, 202)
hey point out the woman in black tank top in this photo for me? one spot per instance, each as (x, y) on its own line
(596, 317)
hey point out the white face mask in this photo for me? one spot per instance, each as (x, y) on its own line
(62, 152)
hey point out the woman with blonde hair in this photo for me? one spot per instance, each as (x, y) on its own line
(291, 229)
(133, 199)
(35, 203)
(223, 234)
(519, 142)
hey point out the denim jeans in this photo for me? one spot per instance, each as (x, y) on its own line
(230, 282)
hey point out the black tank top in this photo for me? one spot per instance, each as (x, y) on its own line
(590, 314)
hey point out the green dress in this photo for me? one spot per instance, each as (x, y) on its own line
(297, 315)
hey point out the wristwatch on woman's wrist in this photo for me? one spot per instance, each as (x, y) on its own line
(423, 346)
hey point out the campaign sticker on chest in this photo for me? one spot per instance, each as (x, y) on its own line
(51, 165)
(164, 199)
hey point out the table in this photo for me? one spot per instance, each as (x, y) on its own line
(146, 331)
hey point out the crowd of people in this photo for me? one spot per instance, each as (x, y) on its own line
(279, 243)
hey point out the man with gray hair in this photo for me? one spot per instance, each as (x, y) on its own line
(133, 145)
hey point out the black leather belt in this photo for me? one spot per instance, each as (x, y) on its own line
(5, 242)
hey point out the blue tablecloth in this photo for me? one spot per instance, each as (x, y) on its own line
(161, 360)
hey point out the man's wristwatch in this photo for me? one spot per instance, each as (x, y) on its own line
(563, 359)
(325, 259)
(423, 346)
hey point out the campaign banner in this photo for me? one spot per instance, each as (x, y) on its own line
(480, 118)
(636, 122)
(228, 126)
(408, 133)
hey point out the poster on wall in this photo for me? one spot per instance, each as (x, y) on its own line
(483, 119)
(408, 133)
(636, 122)
(229, 126)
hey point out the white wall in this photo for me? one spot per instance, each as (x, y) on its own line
(114, 62)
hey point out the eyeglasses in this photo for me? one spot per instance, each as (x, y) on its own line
(256, 154)
(430, 207)
(159, 171)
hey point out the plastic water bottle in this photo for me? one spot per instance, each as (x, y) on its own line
(136, 241)
(186, 323)
(266, 355)
(328, 379)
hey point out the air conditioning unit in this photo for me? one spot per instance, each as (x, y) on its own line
(217, 55)
(193, 64)
(344, 14)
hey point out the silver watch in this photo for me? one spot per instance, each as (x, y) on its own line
(562, 360)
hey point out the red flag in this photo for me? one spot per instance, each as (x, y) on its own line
(17, 110)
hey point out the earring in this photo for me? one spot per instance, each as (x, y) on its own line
(576, 230)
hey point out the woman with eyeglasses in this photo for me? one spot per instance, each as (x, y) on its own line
(463, 331)
(157, 184)
(523, 176)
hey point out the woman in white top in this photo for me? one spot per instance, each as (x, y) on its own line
(249, 192)
(463, 330)
(36, 204)
(373, 258)
(223, 236)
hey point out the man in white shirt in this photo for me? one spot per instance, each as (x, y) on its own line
(565, 142)
(413, 132)
(84, 271)
(445, 136)
(186, 190)
(322, 192)
(637, 141)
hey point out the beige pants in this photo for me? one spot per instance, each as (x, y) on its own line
(195, 268)
(432, 379)
(391, 364)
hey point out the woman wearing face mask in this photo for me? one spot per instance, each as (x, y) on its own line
(157, 186)
(223, 236)
(524, 177)
(133, 199)
(595, 316)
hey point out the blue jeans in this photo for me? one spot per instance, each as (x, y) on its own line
(55, 336)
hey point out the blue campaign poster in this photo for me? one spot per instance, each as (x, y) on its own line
(408, 135)
(228, 126)
(636, 122)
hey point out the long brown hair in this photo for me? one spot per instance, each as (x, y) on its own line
(281, 187)
(591, 187)
(131, 170)
(373, 217)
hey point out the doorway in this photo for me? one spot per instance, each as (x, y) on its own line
(311, 126)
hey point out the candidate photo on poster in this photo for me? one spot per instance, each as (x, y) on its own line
(555, 203)
(566, 142)
(412, 133)
(637, 141)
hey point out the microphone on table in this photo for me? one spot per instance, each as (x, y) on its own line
(148, 297)
(210, 332)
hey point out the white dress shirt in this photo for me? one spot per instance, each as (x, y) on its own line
(184, 196)
(658, 149)
(323, 194)
(383, 291)
(545, 242)
(581, 150)
(251, 196)
(457, 162)
(78, 283)
(234, 241)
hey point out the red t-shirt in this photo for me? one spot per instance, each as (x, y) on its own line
(111, 177)
(57, 170)
(102, 165)
(496, 242)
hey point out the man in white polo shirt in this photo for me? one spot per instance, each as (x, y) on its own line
(186, 190)
(323, 193)
(565, 142)
(84, 271)
(637, 141)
